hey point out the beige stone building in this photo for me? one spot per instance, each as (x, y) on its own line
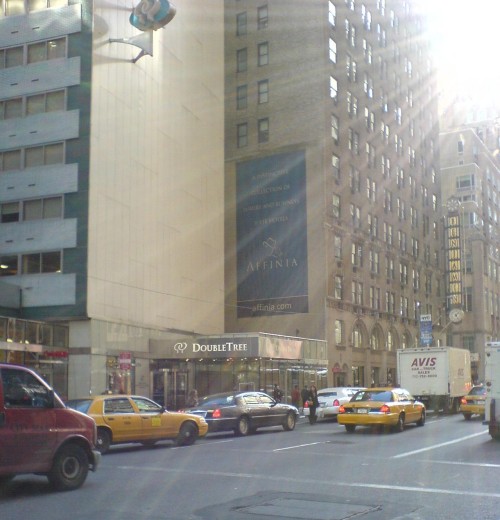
(333, 213)
(470, 174)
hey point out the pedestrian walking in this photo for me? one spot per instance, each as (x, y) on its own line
(296, 396)
(313, 404)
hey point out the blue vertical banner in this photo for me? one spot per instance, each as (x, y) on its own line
(426, 330)
(271, 236)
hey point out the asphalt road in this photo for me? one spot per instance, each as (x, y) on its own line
(448, 469)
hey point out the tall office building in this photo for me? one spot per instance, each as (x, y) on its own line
(111, 188)
(470, 175)
(333, 213)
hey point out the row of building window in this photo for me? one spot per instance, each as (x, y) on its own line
(31, 105)
(32, 156)
(36, 209)
(242, 20)
(20, 7)
(262, 132)
(33, 53)
(32, 263)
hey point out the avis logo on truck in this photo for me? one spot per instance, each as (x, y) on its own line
(424, 362)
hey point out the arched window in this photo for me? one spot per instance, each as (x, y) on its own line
(390, 341)
(357, 337)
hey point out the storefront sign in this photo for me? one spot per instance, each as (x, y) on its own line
(125, 360)
(271, 236)
(236, 347)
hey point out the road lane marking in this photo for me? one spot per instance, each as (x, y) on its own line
(299, 446)
(474, 464)
(315, 482)
(435, 446)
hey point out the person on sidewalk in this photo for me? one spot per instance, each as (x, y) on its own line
(313, 404)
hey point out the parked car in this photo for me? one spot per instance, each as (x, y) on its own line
(131, 418)
(38, 434)
(387, 407)
(474, 402)
(244, 412)
(330, 400)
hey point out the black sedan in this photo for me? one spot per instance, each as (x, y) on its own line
(244, 412)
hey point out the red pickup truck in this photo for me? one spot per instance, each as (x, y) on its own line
(38, 434)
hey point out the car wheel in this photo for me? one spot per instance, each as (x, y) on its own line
(400, 425)
(69, 469)
(421, 421)
(103, 440)
(350, 428)
(187, 434)
(243, 427)
(467, 416)
(289, 423)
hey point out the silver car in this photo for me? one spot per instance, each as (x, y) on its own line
(331, 398)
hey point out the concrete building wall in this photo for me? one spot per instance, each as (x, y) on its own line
(156, 172)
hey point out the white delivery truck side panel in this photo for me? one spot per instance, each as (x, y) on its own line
(492, 381)
(438, 376)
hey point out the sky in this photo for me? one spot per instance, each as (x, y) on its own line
(465, 39)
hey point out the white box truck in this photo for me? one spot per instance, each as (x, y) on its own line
(437, 376)
(492, 382)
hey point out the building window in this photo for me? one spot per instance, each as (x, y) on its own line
(336, 166)
(337, 294)
(50, 207)
(334, 89)
(242, 135)
(12, 57)
(36, 263)
(241, 24)
(335, 128)
(44, 155)
(8, 265)
(263, 91)
(263, 130)
(47, 50)
(241, 97)
(263, 54)
(46, 102)
(332, 50)
(332, 13)
(11, 108)
(9, 212)
(339, 332)
(38, 5)
(241, 60)
(262, 17)
(10, 160)
(336, 205)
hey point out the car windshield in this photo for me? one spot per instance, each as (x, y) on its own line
(478, 390)
(327, 394)
(82, 405)
(218, 400)
(370, 395)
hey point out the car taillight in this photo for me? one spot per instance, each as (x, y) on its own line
(216, 414)
(342, 409)
(336, 402)
(385, 409)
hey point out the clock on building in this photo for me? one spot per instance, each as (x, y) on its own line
(453, 204)
(456, 315)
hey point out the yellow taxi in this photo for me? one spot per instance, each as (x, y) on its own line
(130, 418)
(386, 407)
(473, 403)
